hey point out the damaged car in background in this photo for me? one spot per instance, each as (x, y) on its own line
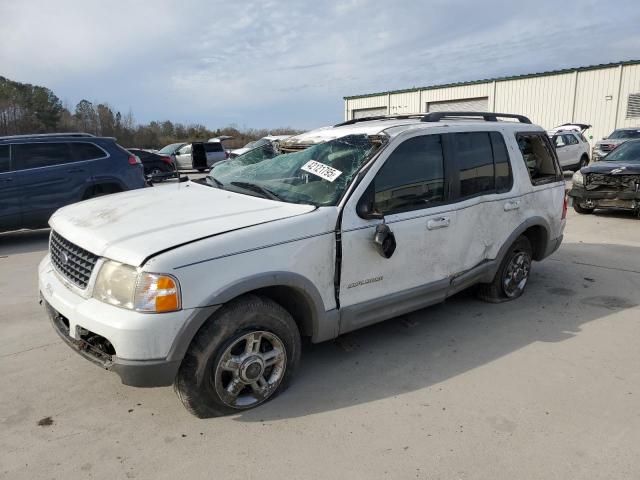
(608, 144)
(614, 182)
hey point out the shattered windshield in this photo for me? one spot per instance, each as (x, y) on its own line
(627, 152)
(170, 148)
(318, 175)
(619, 134)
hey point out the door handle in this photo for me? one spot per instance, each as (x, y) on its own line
(511, 206)
(75, 170)
(6, 180)
(436, 223)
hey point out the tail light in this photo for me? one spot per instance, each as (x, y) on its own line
(166, 160)
(134, 160)
(565, 206)
(227, 154)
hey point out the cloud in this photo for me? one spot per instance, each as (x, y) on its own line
(267, 63)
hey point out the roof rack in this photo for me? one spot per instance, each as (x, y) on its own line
(487, 116)
(380, 117)
(48, 135)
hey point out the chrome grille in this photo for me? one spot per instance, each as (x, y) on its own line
(606, 147)
(71, 261)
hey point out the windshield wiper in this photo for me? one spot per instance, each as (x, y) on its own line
(254, 187)
(218, 183)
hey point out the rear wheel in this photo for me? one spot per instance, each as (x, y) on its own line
(244, 355)
(100, 190)
(512, 275)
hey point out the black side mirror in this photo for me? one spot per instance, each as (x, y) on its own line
(384, 240)
(366, 206)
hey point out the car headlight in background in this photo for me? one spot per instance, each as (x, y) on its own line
(578, 179)
(124, 286)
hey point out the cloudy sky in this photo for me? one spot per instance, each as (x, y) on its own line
(289, 63)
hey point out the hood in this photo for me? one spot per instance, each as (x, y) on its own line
(131, 226)
(613, 141)
(613, 168)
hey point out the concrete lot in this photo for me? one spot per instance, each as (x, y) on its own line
(547, 386)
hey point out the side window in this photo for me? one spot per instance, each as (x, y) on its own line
(35, 155)
(86, 151)
(474, 156)
(504, 177)
(213, 147)
(5, 160)
(559, 141)
(570, 139)
(412, 177)
(185, 150)
(538, 156)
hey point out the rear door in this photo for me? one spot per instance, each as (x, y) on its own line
(49, 179)
(481, 183)
(9, 192)
(215, 153)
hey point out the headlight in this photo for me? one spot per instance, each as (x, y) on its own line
(578, 179)
(124, 286)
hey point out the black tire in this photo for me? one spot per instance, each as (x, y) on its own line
(201, 170)
(100, 191)
(584, 161)
(580, 209)
(496, 291)
(196, 382)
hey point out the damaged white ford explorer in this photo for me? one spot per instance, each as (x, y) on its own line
(210, 285)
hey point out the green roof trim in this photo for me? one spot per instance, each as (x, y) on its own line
(499, 79)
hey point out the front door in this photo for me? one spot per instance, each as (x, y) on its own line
(9, 193)
(410, 191)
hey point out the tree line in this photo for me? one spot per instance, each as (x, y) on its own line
(28, 109)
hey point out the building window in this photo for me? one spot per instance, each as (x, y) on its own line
(633, 106)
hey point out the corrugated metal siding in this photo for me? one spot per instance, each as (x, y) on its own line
(629, 85)
(547, 101)
(578, 96)
(367, 102)
(464, 105)
(596, 99)
(405, 103)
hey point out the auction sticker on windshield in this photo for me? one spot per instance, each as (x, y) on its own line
(321, 170)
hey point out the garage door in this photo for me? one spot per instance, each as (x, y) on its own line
(368, 112)
(480, 104)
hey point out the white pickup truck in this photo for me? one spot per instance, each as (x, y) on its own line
(210, 286)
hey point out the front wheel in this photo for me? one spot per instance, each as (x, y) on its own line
(242, 357)
(512, 275)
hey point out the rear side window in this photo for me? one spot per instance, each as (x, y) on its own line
(5, 161)
(213, 147)
(412, 177)
(538, 156)
(474, 157)
(185, 150)
(35, 155)
(570, 139)
(86, 151)
(504, 177)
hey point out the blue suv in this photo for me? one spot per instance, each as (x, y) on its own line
(41, 173)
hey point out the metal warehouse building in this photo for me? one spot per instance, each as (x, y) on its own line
(604, 96)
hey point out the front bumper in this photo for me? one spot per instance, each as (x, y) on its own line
(606, 198)
(143, 349)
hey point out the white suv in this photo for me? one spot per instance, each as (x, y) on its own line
(210, 286)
